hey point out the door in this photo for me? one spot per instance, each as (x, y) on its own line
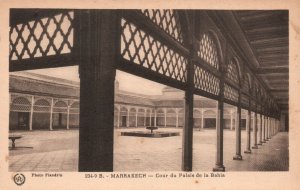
(23, 120)
(124, 121)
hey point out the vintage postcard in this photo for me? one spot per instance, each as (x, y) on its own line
(154, 95)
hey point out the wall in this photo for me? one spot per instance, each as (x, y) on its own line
(13, 120)
(284, 122)
(41, 121)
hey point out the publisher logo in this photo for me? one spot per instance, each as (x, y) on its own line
(19, 179)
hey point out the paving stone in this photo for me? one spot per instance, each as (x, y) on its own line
(58, 151)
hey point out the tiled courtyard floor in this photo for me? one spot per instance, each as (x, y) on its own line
(58, 151)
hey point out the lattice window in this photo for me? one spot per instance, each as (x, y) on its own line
(60, 107)
(171, 113)
(230, 93)
(74, 108)
(42, 37)
(208, 51)
(132, 112)
(142, 49)
(20, 105)
(160, 113)
(232, 72)
(141, 112)
(206, 81)
(42, 106)
(210, 114)
(166, 20)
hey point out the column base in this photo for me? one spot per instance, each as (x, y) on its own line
(259, 143)
(255, 147)
(218, 168)
(237, 157)
(248, 151)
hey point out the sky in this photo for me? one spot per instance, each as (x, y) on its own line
(127, 81)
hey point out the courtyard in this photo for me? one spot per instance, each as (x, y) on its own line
(57, 150)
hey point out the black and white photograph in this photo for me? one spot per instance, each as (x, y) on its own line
(158, 93)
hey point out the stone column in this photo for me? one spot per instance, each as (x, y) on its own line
(150, 117)
(187, 133)
(274, 126)
(97, 42)
(202, 118)
(128, 117)
(68, 117)
(260, 130)
(220, 123)
(51, 115)
(248, 126)
(165, 110)
(277, 126)
(177, 118)
(231, 119)
(264, 135)
(267, 129)
(275, 123)
(119, 115)
(145, 117)
(238, 155)
(31, 113)
(187, 152)
(271, 128)
(136, 117)
(155, 122)
(235, 120)
(255, 131)
(219, 166)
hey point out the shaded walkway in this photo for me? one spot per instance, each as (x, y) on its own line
(271, 156)
(58, 151)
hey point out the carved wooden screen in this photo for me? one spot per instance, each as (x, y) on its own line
(20, 104)
(42, 106)
(205, 78)
(231, 85)
(253, 94)
(60, 107)
(167, 20)
(259, 100)
(245, 91)
(74, 108)
(152, 45)
(147, 52)
(40, 38)
(208, 50)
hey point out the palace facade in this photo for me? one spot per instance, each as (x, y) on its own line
(44, 102)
